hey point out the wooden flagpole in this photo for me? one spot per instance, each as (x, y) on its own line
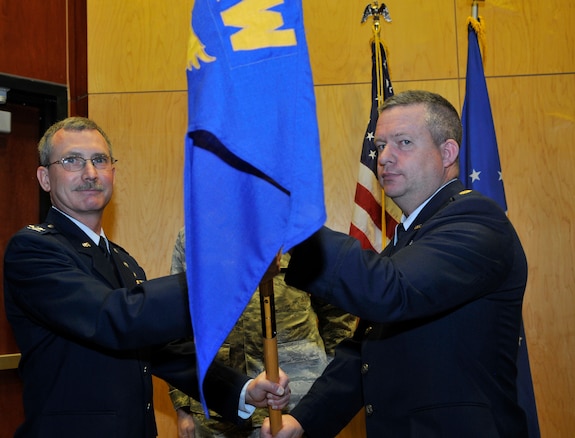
(269, 334)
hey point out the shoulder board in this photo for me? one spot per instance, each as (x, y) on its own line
(461, 194)
(42, 229)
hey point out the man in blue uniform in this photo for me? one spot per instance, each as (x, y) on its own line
(91, 329)
(440, 308)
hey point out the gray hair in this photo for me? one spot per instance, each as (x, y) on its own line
(442, 119)
(45, 144)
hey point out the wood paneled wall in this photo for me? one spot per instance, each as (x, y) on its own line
(46, 41)
(25, 32)
(137, 91)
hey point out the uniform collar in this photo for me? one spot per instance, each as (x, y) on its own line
(407, 221)
(95, 237)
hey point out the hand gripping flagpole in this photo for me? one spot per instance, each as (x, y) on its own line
(270, 341)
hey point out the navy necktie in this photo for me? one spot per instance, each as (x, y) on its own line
(102, 245)
(399, 232)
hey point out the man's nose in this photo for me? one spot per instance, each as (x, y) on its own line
(89, 170)
(384, 156)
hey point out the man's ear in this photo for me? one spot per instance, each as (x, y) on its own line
(43, 178)
(449, 152)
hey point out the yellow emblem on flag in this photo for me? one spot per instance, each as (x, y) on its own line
(196, 50)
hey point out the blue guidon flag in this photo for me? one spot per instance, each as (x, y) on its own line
(252, 176)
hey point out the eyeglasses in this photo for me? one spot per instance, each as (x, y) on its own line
(75, 163)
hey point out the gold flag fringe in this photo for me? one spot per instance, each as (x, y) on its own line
(479, 28)
(378, 62)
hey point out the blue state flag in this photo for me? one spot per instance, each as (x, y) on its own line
(252, 175)
(480, 169)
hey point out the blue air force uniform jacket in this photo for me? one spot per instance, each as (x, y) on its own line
(91, 339)
(435, 352)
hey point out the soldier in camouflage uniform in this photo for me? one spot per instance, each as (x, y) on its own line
(307, 332)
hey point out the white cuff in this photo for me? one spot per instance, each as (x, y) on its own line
(245, 410)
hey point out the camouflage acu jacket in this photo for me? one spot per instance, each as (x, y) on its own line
(307, 332)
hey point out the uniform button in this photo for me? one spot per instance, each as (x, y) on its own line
(364, 368)
(368, 410)
(368, 330)
(148, 406)
(145, 370)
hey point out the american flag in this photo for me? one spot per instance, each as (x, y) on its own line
(374, 214)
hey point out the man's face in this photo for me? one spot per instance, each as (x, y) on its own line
(84, 193)
(410, 166)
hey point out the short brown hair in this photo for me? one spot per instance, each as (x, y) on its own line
(45, 144)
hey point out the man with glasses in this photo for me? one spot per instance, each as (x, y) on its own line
(91, 329)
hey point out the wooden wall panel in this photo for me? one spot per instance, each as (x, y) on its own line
(137, 45)
(535, 137)
(33, 39)
(420, 40)
(335, 37)
(345, 111)
(523, 37)
(137, 92)
(147, 131)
